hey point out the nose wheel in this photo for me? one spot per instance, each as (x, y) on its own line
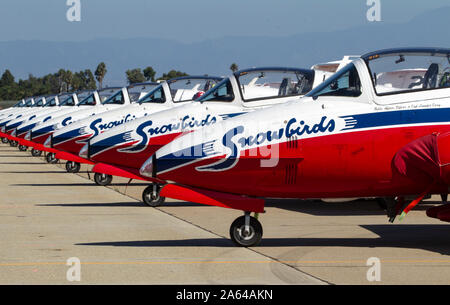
(151, 195)
(102, 179)
(23, 148)
(73, 167)
(36, 153)
(51, 159)
(4, 140)
(246, 231)
(13, 143)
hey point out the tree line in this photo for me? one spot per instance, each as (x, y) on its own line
(68, 81)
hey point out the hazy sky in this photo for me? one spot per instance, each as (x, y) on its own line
(192, 20)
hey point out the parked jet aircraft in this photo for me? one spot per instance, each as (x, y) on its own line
(90, 105)
(121, 151)
(177, 91)
(52, 105)
(380, 127)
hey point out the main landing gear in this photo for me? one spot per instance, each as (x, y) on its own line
(23, 148)
(246, 231)
(51, 159)
(36, 153)
(151, 195)
(73, 167)
(102, 179)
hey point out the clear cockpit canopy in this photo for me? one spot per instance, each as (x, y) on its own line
(190, 88)
(39, 102)
(398, 71)
(263, 83)
(138, 91)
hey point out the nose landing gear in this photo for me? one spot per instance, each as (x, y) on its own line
(151, 195)
(23, 148)
(73, 167)
(36, 153)
(246, 231)
(102, 179)
(51, 159)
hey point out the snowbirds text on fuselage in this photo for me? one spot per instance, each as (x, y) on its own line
(122, 150)
(355, 135)
(52, 104)
(166, 95)
(89, 105)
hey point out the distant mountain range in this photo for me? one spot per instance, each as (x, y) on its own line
(215, 56)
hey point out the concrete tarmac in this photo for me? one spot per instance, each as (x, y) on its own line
(48, 216)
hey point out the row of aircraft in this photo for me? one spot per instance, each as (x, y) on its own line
(365, 126)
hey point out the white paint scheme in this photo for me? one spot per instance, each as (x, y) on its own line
(311, 110)
(133, 111)
(207, 112)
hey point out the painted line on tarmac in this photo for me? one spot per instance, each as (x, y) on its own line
(418, 261)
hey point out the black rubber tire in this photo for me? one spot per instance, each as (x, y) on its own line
(36, 153)
(73, 167)
(50, 158)
(23, 148)
(148, 199)
(13, 143)
(237, 230)
(4, 140)
(102, 179)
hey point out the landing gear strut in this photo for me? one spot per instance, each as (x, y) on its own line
(102, 179)
(23, 148)
(36, 153)
(51, 159)
(151, 195)
(73, 167)
(246, 231)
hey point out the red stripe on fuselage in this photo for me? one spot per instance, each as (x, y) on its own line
(354, 164)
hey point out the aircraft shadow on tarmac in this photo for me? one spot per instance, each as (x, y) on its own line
(432, 238)
(34, 172)
(96, 204)
(320, 208)
(24, 163)
(15, 156)
(76, 184)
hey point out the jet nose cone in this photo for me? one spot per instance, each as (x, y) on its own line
(84, 152)
(147, 169)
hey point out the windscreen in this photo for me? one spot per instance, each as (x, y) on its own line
(409, 72)
(88, 101)
(68, 101)
(115, 99)
(155, 96)
(139, 91)
(29, 103)
(183, 90)
(262, 84)
(222, 92)
(107, 93)
(50, 102)
(345, 82)
(39, 102)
